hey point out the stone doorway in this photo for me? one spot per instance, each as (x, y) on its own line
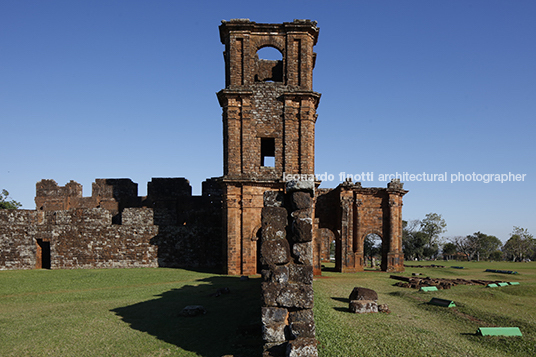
(42, 259)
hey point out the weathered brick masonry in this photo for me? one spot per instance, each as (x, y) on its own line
(114, 227)
(269, 111)
(348, 213)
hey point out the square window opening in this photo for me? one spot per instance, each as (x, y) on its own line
(268, 152)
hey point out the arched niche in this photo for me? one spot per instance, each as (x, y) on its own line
(268, 64)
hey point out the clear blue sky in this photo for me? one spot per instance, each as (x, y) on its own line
(102, 89)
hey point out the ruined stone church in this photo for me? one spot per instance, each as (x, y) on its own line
(269, 115)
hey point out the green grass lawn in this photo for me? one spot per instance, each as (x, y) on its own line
(415, 328)
(126, 312)
(135, 312)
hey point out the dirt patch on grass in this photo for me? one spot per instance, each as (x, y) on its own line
(471, 318)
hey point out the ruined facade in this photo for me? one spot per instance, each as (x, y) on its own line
(114, 227)
(269, 109)
(349, 213)
(269, 115)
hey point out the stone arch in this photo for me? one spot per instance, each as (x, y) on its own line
(271, 41)
(269, 70)
(377, 232)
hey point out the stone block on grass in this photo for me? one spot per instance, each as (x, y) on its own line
(359, 293)
(193, 310)
(363, 306)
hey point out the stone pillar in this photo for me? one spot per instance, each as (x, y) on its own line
(348, 257)
(232, 223)
(287, 270)
(395, 256)
(359, 254)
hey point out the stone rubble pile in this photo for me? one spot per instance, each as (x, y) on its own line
(440, 283)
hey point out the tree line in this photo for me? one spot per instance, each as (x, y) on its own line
(422, 240)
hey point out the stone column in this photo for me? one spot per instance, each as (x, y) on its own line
(347, 256)
(287, 270)
(360, 261)
(232, 223)
(395, 260)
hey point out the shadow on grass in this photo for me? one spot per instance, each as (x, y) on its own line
(330, 269)
(231, 324)
(345, 300)
(341, 309)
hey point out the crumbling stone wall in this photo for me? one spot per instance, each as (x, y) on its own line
(86, 238)
(78, 238)
(114, 227)
(287, 270)
(18, 231)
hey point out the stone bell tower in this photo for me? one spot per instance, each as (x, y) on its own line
(269, 115)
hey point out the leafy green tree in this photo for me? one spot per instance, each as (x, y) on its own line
(496, 255)
(433, 225)
(521, 245)
(465, 245)
(488, 245)
(431, 250)
(368, 246)
(412, 240)
(372, 245)
(449, 249)
(5, 204)
(421, 238)
(477, 245)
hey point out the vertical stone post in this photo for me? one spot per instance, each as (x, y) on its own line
(360, 261)
(395, 257)
(347, 234)
(287, 270)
